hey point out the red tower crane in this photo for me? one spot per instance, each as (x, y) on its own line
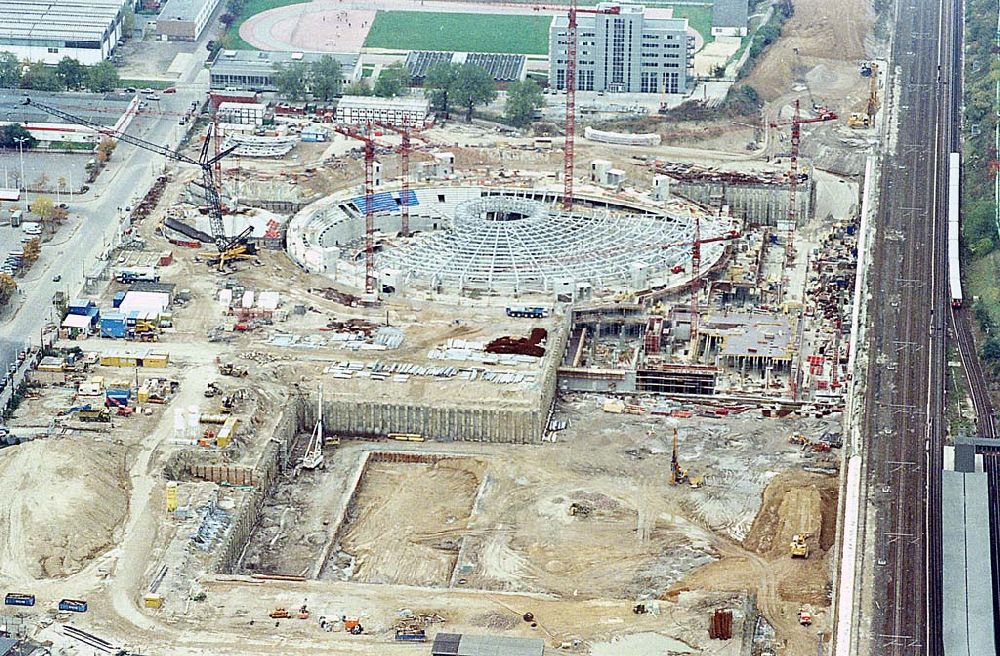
(365, 137)
(405, 131)
(571, 93)
(823, 114)
(696, 245)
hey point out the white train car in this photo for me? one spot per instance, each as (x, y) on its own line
(954, 270)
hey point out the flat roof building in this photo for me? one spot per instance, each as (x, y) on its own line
(253, 70)
(626, 52)
(47, 30)
(730, 17)
(408, 110)
(183, 20)
(114, 110)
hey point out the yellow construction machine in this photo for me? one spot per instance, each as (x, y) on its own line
(678, 474)
(798, 548)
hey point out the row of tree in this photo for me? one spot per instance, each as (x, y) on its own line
(69, 74)
(447, 84)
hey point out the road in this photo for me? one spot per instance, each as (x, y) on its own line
(96, 216)
(902, 424)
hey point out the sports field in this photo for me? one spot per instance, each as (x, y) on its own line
(503, 33)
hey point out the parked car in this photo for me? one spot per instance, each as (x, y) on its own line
(170, 90)
(152, 96)
(56, 278)
(147, 90)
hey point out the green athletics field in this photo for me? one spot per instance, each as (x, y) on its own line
(418, 30)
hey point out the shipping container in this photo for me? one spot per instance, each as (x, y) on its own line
(19, 599)
(117, 300)
(73, 605)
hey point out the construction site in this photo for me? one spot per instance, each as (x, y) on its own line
(404, 381)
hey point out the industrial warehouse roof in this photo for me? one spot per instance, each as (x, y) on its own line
(242, 62)
(102, 108)
(459, 644)
(730, 13)
(968, 591)
(65, 20)
(7, 646)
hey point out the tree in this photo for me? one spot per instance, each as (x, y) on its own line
(359, 88)
(991, 349)
(12, 134)
(523, 100)
(438, 82)
(292, 80)
(43, 207)
(10, 70)
(393, 81)
(128, 23)
(41, 78)
(32, 249)
(102, 77)
(7, 288)
(473, 86)
(71, 72)
(326, 77)
(105, 148)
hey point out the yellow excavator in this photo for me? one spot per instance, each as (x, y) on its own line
(798, 548)
(679, 475)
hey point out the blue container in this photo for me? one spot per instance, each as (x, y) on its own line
(73, 605)
(113, 325)
(19, 599)
(851, 229)
(117, 300)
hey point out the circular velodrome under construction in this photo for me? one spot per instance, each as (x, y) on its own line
(503, 241)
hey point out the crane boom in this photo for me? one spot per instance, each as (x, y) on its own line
(207, 183)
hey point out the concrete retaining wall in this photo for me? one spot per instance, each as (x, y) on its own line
(269, 466)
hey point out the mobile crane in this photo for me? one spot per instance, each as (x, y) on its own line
(229, 248)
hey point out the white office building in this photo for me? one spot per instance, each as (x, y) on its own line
(624, 52)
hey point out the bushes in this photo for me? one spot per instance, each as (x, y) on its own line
(766, 34)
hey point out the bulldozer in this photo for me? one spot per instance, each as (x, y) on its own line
(279, 613)
(798, 548)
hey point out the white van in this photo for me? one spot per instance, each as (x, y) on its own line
(31, 228)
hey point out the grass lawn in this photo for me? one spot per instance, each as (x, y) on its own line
(232, 40)
(417, 30)
(981, 281)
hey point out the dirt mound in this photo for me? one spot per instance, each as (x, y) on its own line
(64, 500)
(800, 503)
(818, 33)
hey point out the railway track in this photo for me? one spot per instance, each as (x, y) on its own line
(975, 378)
(902, 423)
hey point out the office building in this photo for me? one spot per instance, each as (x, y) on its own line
(253, 70)
(183, 20)
(624, 52)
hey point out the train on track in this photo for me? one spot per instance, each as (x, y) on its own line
(954, 266)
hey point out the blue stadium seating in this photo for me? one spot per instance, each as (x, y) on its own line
(384, 202)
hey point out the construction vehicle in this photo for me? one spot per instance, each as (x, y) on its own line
(858, 121)
(229, 248)
(303, 613)
(352, 625)
(798, 547)
(579, 510)
(279, 613)
(212, 390)
(798, 438)
(313, 457)
(101, 415)
(230, 369)
(680, 475)
(805, 616)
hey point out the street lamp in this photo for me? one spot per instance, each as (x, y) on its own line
(20, 141)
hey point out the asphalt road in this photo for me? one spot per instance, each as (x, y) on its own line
(903, 425)
(96, 217)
